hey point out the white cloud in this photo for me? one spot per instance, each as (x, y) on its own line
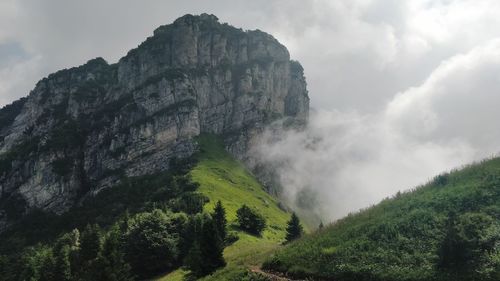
(389, 45)
(353, 160)
(13, 76)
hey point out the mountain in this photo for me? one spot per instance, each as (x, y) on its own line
(84, 129)
(448, 229)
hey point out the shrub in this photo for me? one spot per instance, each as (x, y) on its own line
(250, 221)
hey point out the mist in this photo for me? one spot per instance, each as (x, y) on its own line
(347, 161)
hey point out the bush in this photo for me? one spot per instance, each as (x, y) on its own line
(250, 221)
(470, 240)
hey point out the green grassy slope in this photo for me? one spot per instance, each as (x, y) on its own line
(448, 229)
(223, 178)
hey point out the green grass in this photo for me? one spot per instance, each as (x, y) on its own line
(401, 238)
(223, 178)
(177, 275)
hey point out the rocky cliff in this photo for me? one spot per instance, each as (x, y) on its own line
(84, 128)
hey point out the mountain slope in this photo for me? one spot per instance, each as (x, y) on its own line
(223, 178)
(448, 229)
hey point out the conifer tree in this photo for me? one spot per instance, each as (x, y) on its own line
(206, 252)
(219, 217)
(62, 266)
(65, 246)
(111, 260)
(294, 229)
(90, 243)
(194, 260)
(212, 247)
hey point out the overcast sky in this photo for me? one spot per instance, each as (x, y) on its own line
(403, 89)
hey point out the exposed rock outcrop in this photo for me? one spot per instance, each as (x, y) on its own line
(82, 129)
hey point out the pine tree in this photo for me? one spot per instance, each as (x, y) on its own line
(90, 243)
(294, 229)
(219, 217)
(206, 252)
(62, 267)
(212, 247)
(194, 260)
(320, 227)
(111, 260)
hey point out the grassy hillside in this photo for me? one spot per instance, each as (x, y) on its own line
(448, 229)
(223, 178)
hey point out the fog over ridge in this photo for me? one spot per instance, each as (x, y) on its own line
(352, 160)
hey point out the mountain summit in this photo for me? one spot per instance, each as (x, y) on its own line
(82, 129)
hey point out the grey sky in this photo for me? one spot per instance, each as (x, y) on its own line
(404, 89)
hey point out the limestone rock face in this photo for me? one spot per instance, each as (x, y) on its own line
(82, 129)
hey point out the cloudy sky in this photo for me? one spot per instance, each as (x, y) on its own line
(402, 90)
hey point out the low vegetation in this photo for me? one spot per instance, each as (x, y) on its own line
(446, 230)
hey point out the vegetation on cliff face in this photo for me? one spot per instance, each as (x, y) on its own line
(134, 230)
(9, 112)
(447, 229)
(150, 225)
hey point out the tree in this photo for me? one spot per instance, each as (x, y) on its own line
(212, 247)
(194, 261)
(111, 260)
(294, 229)
(321, 226)
(62, 267)
(219, 217)
(250, 221)
(90, 243)
(64, 250)
(47, 270)
(206, 252)
(151, 246)
(32, 261)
